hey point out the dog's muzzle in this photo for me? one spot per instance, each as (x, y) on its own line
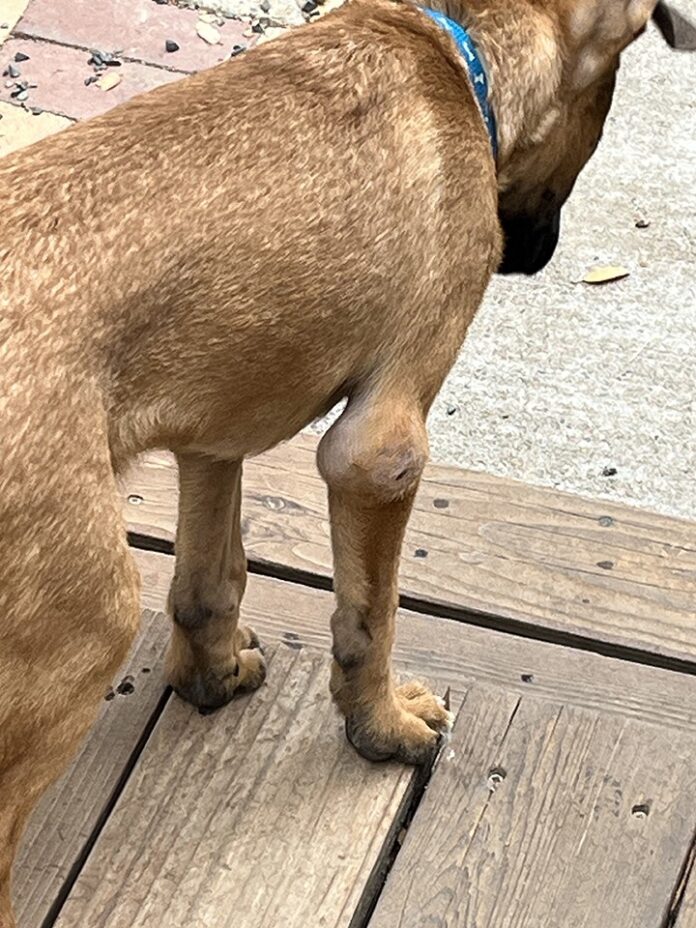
(529, 242)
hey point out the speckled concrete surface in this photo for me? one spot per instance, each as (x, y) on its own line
(559, 380)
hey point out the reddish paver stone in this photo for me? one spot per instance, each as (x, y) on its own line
(59, 73)
(137, 28)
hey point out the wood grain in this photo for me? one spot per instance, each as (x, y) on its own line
(543, 814)
(687, 914)
(477, 544)
(446, 652)
(260, 814)
(452, 654)
(684, 904)
(63, 821)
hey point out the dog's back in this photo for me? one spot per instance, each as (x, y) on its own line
(201, 236)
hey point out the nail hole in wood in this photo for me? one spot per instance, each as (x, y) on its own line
(641, 810)
(135, 499)
(275, 503)
(496, 775)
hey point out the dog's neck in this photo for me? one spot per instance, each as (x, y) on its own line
(524, 63)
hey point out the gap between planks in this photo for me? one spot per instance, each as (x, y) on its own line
(505, 626)
(449, 654)
(479, 550)
(542, 814)
(682, 910)
(224, 822)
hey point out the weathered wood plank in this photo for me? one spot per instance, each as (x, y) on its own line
(687, 913)
(684, 905)
(448, 653)
(258, 815)
(63, 821)
(452, 654)
(478, 544)
(546, 815)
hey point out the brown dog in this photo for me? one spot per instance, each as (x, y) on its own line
(174, 296)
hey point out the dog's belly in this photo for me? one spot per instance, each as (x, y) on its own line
(259, 430)
(228, 416)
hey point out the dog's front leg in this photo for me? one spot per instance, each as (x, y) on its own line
(210, 655)
(372, 461)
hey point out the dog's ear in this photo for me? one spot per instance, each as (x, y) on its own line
(676, 29)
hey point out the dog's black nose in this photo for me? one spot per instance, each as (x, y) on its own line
(529, 242)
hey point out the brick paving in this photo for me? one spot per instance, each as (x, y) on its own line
(58, 36)
(136, 28)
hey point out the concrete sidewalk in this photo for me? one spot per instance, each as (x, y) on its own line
(590, 389)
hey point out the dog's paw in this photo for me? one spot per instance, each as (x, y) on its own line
(212, 687)
(246, 638)
(407, 728)
(416, 698)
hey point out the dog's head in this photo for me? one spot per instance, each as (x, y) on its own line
(540, 172)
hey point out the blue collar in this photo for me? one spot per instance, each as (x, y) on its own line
(477, 72)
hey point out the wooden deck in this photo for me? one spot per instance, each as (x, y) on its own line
(565, 631)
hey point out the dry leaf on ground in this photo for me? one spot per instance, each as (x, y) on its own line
(603, 274)
(109, 80)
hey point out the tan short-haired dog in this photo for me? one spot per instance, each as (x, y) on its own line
(318, 219)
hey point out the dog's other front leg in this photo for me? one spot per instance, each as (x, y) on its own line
(210, 654)
(372, 461)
